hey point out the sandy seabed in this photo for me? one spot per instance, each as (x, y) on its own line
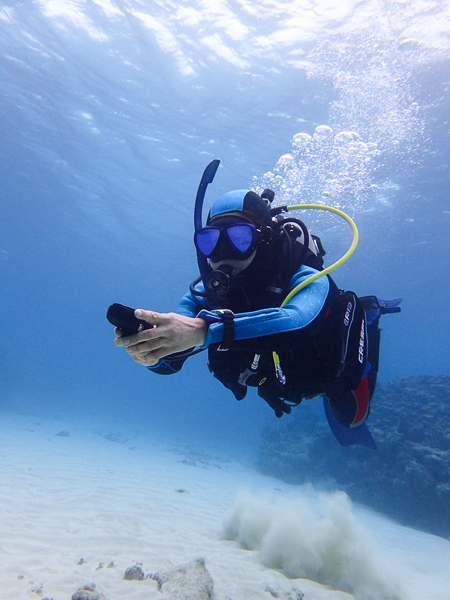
(77, 507)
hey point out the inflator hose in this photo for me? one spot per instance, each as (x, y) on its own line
(336, 264)
(317, 276)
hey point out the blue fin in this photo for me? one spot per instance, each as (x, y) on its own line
(375, 306)
(390, 306)
(359, 436)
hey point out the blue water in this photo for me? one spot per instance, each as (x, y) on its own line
(111, 109)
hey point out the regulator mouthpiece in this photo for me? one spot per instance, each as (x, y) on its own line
(218, 282)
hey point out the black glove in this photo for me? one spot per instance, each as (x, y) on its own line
(239, 391)
(273, 392)
(281, 408)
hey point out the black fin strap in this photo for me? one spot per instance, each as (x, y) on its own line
(227, 318)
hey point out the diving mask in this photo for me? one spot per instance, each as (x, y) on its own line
(236, 240)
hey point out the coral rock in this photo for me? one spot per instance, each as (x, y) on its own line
(190, 581)
(134, 572)
(88, 592)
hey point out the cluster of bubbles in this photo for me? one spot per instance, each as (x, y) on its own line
(375, 131)
(326, 167)
(376, 80)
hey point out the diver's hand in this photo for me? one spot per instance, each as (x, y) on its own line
(274, 393)
(279, 407)
(171, 333)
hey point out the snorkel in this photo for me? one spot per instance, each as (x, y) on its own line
(207, 178)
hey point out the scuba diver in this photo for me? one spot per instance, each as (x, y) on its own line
(269, 314)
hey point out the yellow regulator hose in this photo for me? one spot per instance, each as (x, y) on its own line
(317, 276)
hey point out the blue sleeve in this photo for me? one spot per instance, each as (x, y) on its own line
(296, 315)
(190, 305)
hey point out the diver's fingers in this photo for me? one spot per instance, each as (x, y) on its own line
(151, 316)
(146, 334)
(147, 357)
(145, 347)
(147, 360)
(133, 340)
(120, 341)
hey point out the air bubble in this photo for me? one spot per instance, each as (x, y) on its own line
(285, 160)
(345, 137)
(322, 132)
(302, 138)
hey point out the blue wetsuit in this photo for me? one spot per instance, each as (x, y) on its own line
(298, 317)
(300, 333)
(316, 356)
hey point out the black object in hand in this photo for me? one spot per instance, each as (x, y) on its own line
(123, 317)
